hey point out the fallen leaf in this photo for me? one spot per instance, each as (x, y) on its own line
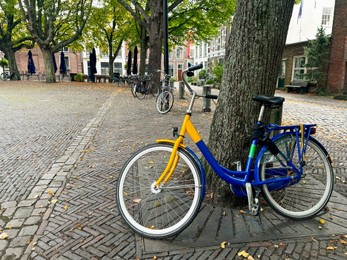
(223, 244)
(250, 257)
(50, 192)
(3, 236)
(242, 211)
(243, 253)
(136, 200)
(154, 258)
(313, 239)
(66, 207)
(322, 221)
(330, 248)
(54, 201)
(343, 241)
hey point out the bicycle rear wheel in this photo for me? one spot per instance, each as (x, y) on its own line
(164, 102)
(303, 198)
(158, 213)
(140, 91)
(133, 89)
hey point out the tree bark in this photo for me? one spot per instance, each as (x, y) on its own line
(252, 62)
(48, 61)
(143, 50)
(12, 64)
(155, 39)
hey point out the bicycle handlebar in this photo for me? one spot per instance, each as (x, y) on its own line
(184, 74)
(211, 96)
(196, 67)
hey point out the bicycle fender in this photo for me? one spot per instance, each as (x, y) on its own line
(202, 171)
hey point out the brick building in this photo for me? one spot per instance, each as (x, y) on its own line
(293, 60)
(337, 73)
(72, 59)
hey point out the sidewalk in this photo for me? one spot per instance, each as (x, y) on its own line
(61, 150)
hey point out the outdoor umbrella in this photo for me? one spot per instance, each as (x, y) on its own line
(92, 63)
(62, 67)
(135, 61)
(129, 64)
(54, 63)
(31, 64)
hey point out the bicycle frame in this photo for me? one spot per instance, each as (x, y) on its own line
(236, 177)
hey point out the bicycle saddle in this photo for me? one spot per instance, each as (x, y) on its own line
(272, 102)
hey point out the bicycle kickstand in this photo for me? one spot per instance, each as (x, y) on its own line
(253, 202)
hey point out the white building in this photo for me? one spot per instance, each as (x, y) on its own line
(307, 17)
(102, 62)
(212, 51)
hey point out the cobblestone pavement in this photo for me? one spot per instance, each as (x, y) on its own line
(61, 150)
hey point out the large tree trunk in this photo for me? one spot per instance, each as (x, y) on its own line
(155, 39)
(252, 62)
(143, 50)
(48, 61)
(12, 64)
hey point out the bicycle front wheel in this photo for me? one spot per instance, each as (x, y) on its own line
(153, 89)
(164, 212)
(303, 198)
(164, 102)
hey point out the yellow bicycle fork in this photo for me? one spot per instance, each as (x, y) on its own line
(188, 127)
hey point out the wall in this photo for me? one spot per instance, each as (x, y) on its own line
(75, 62)
(291, 50)
(337, 82)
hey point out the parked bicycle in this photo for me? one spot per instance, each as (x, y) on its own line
(4, 76)
(165, 99)
(141, 86)
(161, 187)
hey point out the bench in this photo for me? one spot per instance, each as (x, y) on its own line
(102, 78)
(300, 85)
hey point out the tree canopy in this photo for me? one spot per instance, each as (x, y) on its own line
(13, 34)
(109, 26)
(54, 24)
(188, 20)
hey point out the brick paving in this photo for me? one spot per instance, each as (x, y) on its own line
(61, 150)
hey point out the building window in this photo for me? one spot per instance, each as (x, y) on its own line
(104, 68)
(117, 68)
(179, 53)
(65, 49)
(299, 69)
(326, 16)
(171, 70)
(67, 62)
(192, 52)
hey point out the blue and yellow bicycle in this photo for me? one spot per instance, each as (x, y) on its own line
(161, 187)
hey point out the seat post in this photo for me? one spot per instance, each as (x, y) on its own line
(261, 113)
